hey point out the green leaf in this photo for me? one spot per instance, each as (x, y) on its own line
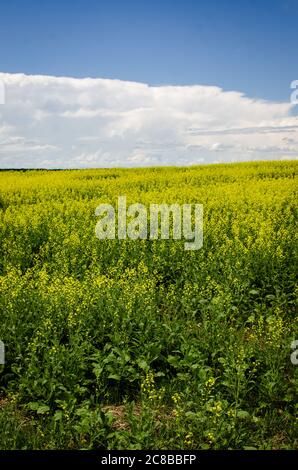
(33, 405)
(241, 414)
(58, 415)
(114, 376)
(254, 292)
(142, 364)
(41, 410)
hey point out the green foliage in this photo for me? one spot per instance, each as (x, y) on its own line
(141, 344)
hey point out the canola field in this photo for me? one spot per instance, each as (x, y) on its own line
(139, 344)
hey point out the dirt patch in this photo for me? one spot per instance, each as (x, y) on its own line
(119, 414)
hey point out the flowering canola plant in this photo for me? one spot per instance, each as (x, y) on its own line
(194, 345)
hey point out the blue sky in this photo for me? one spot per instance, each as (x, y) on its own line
(250, 46)
(177, 82)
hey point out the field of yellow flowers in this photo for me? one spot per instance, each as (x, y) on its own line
(139, 344)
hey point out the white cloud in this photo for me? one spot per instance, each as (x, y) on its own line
(67, 122)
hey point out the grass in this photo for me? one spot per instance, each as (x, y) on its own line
(124, 344)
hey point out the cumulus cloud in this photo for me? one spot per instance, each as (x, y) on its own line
(60, 122)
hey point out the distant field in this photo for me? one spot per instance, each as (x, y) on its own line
(126, 344)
